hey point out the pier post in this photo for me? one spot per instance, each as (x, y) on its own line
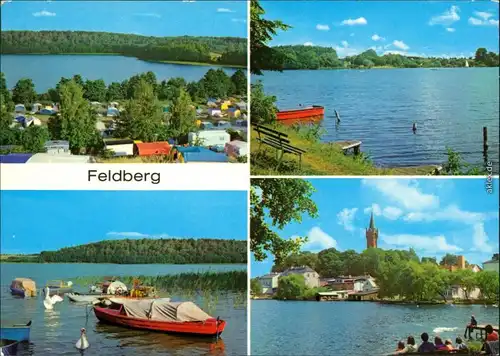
(485, 145)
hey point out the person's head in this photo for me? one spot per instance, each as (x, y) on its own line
(458, 340)
(424, 337)
(411, 340)
(401, 345)
(488, 328)
(438, 341)
(447, 342)
(472, 316)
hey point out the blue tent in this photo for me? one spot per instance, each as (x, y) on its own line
(223, 125)
(21, 119)
(206, 125)
(112, 112)
(15, 157)
(46, 112)
(201, 154)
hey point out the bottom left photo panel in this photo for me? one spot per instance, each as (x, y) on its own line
(124, 272)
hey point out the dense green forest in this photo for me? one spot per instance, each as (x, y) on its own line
(399, 273)
(128, 251)
(217, 50)
(314, 57)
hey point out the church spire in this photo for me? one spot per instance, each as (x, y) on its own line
(372, 222)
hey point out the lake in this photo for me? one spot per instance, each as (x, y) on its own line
(55, 332)
(352, 328)
(379, 107)
(47, 70)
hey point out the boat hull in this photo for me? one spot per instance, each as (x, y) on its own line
(305, 115)
(83, 298)
(16, 332)
(208, 328)
(58, 291)
(18, 292)
(9, 347)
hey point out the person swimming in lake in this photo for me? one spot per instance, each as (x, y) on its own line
(426, 346)
(470, 327)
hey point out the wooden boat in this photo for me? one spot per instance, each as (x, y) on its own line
(160, 315)
(9, 347)
(23, 287)
(15, 331)
(58, 287)
(83, 298)
(306, 114)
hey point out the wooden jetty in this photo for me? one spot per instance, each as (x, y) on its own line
(348, 145)
(482, 332)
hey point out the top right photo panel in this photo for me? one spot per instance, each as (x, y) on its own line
(374, 88)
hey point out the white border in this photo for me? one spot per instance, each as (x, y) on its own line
(61, 176)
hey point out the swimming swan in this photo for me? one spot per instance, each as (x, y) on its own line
(49, 301)
(82, 342)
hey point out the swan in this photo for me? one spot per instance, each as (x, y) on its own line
(49, 301)
(82, 342)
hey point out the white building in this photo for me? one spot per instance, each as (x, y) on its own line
(492, 265)
(311, 277)
(365, 284)
(269, 282)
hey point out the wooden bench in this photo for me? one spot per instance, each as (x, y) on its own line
(348, 145)
(278, 140)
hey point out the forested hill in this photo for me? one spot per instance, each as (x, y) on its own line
(128, 251)
(315, 57)
(223, 50)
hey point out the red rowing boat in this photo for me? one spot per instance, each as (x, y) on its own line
(160, 315)
(307, 114)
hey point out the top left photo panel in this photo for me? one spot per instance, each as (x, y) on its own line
(123, 82)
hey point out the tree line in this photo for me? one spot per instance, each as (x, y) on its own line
(222, 50)
(173, 251)
(142, 117)
(399, 273)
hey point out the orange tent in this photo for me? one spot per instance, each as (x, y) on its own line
(152, 148)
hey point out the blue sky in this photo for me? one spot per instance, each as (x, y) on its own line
(150, 18)
(46, 220)
(421, 28)
(434, 216)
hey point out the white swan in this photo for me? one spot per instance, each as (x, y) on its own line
(49, 301)
(82, 342)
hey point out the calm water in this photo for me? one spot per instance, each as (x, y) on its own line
(351, 328)
(56, 332)
(379, 107)
(47, 70)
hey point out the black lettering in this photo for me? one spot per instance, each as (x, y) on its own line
(92, 174)
(155, 178)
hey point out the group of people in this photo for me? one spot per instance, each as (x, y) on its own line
(447, 345)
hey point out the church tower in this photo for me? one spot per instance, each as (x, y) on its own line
(371, 234)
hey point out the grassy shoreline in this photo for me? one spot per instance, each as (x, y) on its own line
(122, 55)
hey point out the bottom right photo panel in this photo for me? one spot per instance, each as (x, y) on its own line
(374, 266)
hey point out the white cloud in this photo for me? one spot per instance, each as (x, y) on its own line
(478, 22)
(483, 15)
(375, 208)
(355, 22)
(346, 217)
(239, 20)
(450, 213)
(376, 37)
(44, 13)
(389, 212)
(480, 239)
(446, 18)
(450, 29)
(401, 45)
(134, 234)
(346, 51)
(430, 244)
(317, 239)
(321, 27)
(308, 44)
(403, 192)
(149, 14)
(222, 9)
(188, 0)
(345, 43)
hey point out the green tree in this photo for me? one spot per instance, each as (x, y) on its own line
(75, 123)
(481, 55)
(263, 106)
(261, 33)
(274, 203)
(217, 83)
(255, 286)
(304, 258)
(182, 115)
(34, 137)
(487, 282)
(143, 117)
(466, 279)
(5, 94)
(7, 134)
(330, 263)
(291, 287)
(24, 92)
(115, 92)
(449, 260)
(239, 80)
(95, 90)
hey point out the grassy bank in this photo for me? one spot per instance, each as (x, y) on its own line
(320, 159)
(194, 63)
(206, 281)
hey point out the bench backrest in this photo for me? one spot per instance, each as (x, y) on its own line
(268, 131)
